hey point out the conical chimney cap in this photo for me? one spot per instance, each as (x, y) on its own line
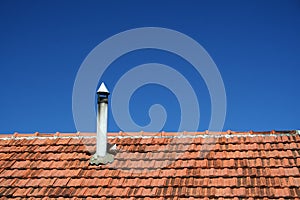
(102, 89)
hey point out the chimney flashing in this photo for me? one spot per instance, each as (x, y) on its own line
(97, 160)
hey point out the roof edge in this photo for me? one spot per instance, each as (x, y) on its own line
(206, 134)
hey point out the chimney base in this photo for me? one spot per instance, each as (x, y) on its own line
(97, 160)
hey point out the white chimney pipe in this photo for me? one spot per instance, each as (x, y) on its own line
(102, 120)
(101, 156)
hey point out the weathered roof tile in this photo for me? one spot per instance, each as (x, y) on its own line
(152, 165)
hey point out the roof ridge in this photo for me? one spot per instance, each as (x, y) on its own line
(184, 134)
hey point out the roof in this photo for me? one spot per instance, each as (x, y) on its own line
(227, 165)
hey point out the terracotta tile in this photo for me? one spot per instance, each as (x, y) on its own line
(117, 182)
(54, 156)
(294, 181)
(112, 192)
(61, 182)
(288, 171)
(7, 182)
(56, 192)
(125, 192)
(18, 182)
(63, 141)
(102, 192)
(79, 192)
(75, 182)
(21, 164)
(37, 192)
(58, 164)
(45, 164)
(241, 192)
(284, 182)
(7, 191)
(33, 182)
(6, 173)
(91, 191)
(231, 165)
(106, 182)
(276, 182)
(69, 172)
(138, 191)
(61, 192)
(281, 192)
(75, 141)
(20, 192)
(94, 182)
(262, 181)
(46, 182)
(19, 173)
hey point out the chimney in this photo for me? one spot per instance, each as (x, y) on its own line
(102, 156)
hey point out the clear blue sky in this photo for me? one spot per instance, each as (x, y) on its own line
(255, 44)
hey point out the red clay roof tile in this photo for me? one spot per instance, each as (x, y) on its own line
(226, 165)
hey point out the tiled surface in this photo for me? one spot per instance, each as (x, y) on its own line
(229, 165)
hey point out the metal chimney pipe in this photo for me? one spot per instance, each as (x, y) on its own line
(102, 120)
(101, 156)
